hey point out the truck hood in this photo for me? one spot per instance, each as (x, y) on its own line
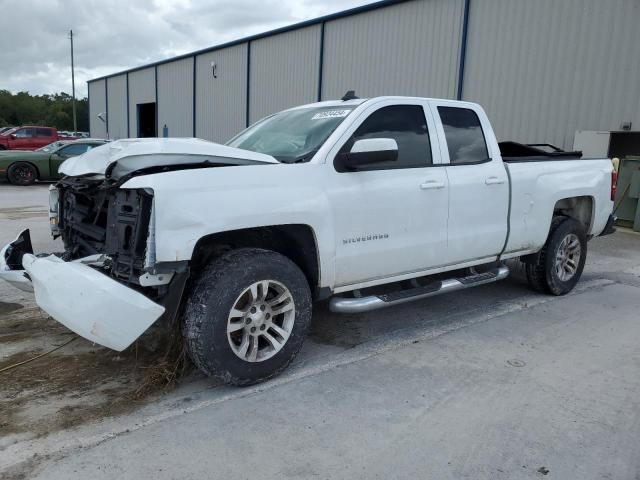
(123, 157)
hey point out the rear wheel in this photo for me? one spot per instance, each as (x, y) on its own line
(557, 268)
(247, 316)
(22, 173)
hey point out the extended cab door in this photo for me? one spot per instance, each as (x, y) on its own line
(390, 218)
(478, 182)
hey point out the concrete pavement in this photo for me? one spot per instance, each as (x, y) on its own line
(551, 388)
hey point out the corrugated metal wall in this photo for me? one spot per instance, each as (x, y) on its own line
(142, 89)
(284, 71)
(117, 106)
(97, 104)
(542, 69)
(175, 98)
(406, 49)
(221, 102)
(546, 68)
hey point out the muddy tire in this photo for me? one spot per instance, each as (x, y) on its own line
(247, 316)
(557, 268)
(22, 173)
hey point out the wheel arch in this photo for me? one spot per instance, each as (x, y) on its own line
(580, 208)
(297, 242)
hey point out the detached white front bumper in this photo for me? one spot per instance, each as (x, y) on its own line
(84, 300)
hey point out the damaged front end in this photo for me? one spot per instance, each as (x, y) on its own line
(94, 217)
(106, 285)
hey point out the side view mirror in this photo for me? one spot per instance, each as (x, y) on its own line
(13, 136)
(369, 151)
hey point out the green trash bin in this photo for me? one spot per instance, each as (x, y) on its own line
(628, 193)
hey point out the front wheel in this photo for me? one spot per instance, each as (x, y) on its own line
(247, 316)
(557, 268)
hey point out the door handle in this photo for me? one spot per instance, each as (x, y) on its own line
(432, 185)
(493, 181)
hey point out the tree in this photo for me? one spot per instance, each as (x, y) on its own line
(53, 110)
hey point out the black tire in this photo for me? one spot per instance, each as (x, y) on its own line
(541, 269)
(211, 300)
(22, 173)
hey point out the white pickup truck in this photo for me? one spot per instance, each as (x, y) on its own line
(367, 203)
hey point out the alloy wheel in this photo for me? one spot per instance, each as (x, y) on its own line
(568, 257)
(261, 321)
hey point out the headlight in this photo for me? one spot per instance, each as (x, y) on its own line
(54, 198)
(150, 256)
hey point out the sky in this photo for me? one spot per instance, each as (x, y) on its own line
(114, 35)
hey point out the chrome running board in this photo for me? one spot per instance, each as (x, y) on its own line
(374, 302)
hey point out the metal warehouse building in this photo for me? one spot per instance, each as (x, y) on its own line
(542, 69)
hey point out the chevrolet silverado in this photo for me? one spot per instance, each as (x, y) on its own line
(364, 203)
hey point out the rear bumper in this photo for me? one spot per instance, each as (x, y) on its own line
(609, 227)
(84, 300)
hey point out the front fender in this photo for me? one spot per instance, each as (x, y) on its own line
(192, 204)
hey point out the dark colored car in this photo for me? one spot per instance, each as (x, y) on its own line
(24, 167)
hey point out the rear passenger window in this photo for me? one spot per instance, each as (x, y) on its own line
(406, 124)
(464, 135)
(44, 132)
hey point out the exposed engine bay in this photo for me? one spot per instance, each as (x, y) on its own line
(95, 217)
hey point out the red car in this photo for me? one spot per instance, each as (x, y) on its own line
(28, 138)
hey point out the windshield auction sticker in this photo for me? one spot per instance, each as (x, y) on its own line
(330, 114)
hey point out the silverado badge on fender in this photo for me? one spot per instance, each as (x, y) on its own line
(365, 238)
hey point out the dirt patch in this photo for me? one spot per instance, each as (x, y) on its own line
(63, 390)
(20, 213)
(27, 321)
(77, 384)
(9, 307)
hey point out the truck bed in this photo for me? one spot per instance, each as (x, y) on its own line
(539, 182)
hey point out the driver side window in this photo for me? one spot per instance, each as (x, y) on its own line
(406, 124)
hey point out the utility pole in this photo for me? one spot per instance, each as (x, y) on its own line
(73, 85)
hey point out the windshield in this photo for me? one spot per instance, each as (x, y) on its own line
(50, 147)
(292, 136)
(10, 131)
